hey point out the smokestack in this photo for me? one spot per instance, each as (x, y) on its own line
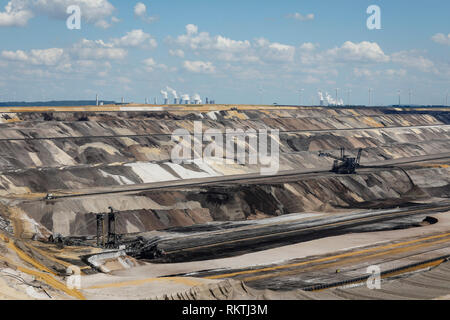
(123, 100)
(321, 98)
(174, 94)
(96, 99)
(165, 96)
(146, 102)
(206, 100)
(196, 98)
(186, 99)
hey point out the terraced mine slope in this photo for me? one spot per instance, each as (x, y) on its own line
(62, 166)
(91, 152)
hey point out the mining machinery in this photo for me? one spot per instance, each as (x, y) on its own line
(343, 164)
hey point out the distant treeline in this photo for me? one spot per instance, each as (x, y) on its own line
(67, 103)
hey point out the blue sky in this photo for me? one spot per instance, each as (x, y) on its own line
(233, 51)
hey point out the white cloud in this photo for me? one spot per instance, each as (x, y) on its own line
(204, 41)
(18, 55)
(136, 38)
(222, 48)
(441, 38)
(309, 46)
(199, 66)
(96, 50)
(275, 51)
(18, 12)
(48, 57)
(150, 62)
(113, 50)
(365, 52)
(93, 11)
(191, 29)
(177, 53)
(412, 60)
(140, 11)
(301, 17)
(150, 65)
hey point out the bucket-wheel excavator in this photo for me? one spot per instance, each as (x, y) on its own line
(343, 164)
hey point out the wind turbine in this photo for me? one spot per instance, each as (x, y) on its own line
(337, 89)
(260, 95)
(301, 92)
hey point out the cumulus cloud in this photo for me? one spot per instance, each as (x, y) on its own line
(227, 49)
(97, 49)
(177, 53)
(19, 12)
(86, 56)
(48, 57)
(136, 38)
(16, 14)
(18, 55)
(199, 66)
(365, 52)
(115, 48)
(301, 17)
(83, 54)
(309, 46)
(204, 41)
(191, 29)
(150, 65)
(140, 11)
(441, 38)
(412, 59)
(275, 51)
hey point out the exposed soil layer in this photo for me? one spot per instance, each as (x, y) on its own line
(43, 152)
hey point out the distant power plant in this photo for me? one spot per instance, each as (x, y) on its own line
(183, 99)
(177, 100)
(329, 99)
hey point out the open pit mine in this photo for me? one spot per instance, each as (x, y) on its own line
(93, 206)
